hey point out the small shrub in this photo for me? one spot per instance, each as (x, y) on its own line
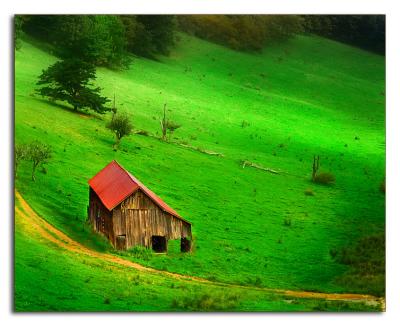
(121, 125)
(257, 282)
(172, 126)
(245, 124)
(136, 280)
(287, 222)
(325, 178)
(107, 300)
(309, 192)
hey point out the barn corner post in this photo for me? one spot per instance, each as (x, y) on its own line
(89, 206)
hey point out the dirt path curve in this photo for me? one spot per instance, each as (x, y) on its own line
(47, 231)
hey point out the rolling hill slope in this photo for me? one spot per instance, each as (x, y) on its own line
(308, 96)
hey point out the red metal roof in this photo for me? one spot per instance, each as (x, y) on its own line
(113, 184)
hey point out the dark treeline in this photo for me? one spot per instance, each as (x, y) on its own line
(242, 32)
(254, 32)
(364, 31)
(105, 40)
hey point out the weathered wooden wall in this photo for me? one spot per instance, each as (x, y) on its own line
(100, 217)
(138, 218)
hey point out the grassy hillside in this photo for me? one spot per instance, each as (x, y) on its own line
(52, 274)
(304, 97)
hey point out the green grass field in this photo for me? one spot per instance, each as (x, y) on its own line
(308, 96)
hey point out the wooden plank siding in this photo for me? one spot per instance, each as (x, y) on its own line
(139, 218)
(100, 216)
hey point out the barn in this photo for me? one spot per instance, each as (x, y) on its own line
(129, 214)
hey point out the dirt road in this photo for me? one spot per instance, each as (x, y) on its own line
(37, 224)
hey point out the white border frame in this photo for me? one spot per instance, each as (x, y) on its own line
(390, 8)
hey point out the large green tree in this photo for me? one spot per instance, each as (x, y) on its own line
(69, 80)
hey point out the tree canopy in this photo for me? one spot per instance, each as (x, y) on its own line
(149, 35)
(98, 39)
(242, 32)
(121, 126)
(69, 80)
(365, 31)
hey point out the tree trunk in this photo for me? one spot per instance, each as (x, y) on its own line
(315, 167)
(117, 141)
(33, 172)
(164, 125)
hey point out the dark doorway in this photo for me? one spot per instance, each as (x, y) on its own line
(159, 243)
(121, 242)
(185, 245)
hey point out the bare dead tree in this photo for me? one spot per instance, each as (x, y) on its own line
(164, 124)
(315, 167)
(167, 126)
(114, 110)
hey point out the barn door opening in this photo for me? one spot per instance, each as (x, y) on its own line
(121, 242)
(159, 243)
(185, 245)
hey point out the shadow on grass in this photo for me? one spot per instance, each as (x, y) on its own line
(65, 107)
